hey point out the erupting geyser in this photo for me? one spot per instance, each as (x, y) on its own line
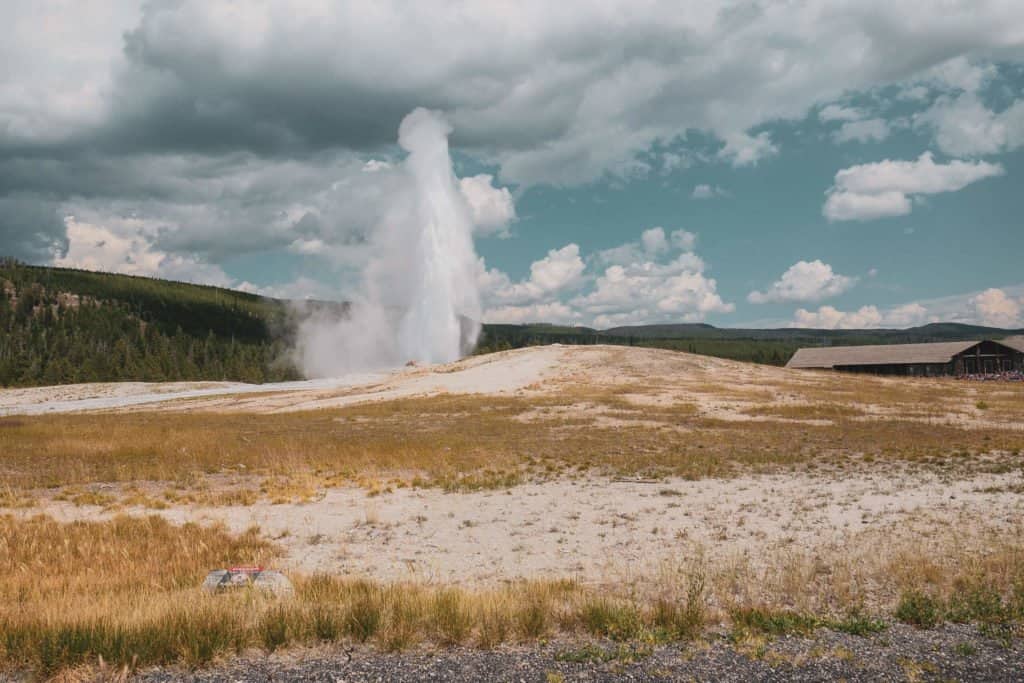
(445, 299)
(419, 298)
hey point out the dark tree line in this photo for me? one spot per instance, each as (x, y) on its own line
(503, 337)
(63, 326)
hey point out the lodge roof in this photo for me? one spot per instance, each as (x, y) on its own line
(1016, 343)
(878, 354)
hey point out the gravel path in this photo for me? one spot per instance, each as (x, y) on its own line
(952, 652)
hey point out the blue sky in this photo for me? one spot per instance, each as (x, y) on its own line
(821, 164)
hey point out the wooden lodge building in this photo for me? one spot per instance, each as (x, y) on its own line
(923, 360)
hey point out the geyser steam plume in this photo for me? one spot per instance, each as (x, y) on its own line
(419, 298)
(443, 255)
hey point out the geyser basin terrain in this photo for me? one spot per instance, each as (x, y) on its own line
(637, 494)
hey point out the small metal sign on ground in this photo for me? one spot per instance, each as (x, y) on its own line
(247, 577)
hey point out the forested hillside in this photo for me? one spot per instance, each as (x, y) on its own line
(62, 326)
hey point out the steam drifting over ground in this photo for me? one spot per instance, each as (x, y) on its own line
(419, 300)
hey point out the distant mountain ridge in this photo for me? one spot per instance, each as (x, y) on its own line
(773, 346)
(60, 325)
(930, 332)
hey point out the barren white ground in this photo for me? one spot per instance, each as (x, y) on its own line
(600, 530)
(491, 374)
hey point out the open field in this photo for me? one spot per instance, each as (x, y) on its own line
(636, 495)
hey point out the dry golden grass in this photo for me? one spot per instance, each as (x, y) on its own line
(126, 590)
(468, 442)
(56, 569)
(805, 411)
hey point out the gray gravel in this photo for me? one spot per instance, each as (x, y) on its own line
(952, 652)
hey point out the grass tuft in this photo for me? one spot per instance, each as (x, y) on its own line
(856, 623)
(773, 622)
(613, 619)
(919, 609)
(451, 617)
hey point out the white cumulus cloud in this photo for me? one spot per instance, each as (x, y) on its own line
(865, 317)
(647, 291)
(830, 318)
(857, 124)
(126, 246)
(885, 188)
(907, 315)
(996, 308)
(743, 149)
(655, 278)
(804, 281)
(849, 206)
(492, 208)
(560, 269)
(705, 191)
(652, 242)
(868, 130)
(964, 126)
(837, 112)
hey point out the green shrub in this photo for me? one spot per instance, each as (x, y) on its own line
(918, 609)
(857, 624)
(588, 653)
(612, 619)
(773, 622)
(976, 602)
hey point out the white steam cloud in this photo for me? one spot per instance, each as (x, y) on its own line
(419, 299)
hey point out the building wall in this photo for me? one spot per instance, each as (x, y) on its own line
(988, 357)
(984, 358)
(902, 369)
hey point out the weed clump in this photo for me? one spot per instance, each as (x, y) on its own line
(919, 609)
(452, 620)
(684, 620)
(532, 619)
(773, 622)
(857, 623)
(611, 619)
